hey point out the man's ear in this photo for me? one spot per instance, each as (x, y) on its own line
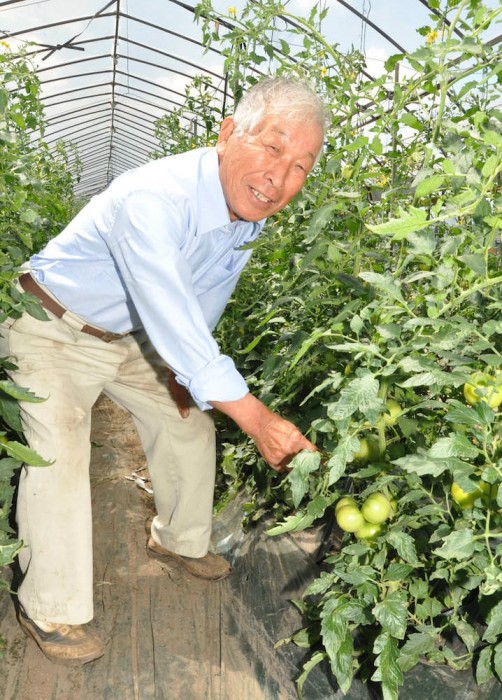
(226, 130)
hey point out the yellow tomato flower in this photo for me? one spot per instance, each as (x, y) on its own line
(232, 11)
(431, 37)
(324, 70)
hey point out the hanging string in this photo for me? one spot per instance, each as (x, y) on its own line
(365, 14)
(69, 44)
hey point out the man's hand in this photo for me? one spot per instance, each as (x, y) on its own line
(277, 439)
(280, 441)
(179, 394)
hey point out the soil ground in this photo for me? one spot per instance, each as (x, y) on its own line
(168, 636)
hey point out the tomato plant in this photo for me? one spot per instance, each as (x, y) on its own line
(382, 282)
(36, 200)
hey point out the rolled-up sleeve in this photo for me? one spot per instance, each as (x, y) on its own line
(217, 381)
(146, 242)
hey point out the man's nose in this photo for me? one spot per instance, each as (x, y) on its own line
(278, 172)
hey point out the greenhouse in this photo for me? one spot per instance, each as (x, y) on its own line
(250, 350)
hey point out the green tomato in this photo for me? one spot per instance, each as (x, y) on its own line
(483, 387)
(345, 501)
(368, 531)
(489, 491)
(394, 411)
(368, 451)
(376, 508)
(349, 518)
(465, 499)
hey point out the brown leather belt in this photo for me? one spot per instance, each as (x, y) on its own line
(29, 284)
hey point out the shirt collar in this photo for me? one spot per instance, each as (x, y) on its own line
(211, 200)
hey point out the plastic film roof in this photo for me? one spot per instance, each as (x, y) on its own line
(109, 70)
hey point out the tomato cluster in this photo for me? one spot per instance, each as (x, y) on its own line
(367, 522)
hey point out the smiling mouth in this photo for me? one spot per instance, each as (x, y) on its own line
(261, 197)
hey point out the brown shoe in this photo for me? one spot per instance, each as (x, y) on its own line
(211, 567)
(66, 644)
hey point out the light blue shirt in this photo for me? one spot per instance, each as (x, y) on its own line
(157, 249)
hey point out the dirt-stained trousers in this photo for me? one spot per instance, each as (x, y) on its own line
(70, 368)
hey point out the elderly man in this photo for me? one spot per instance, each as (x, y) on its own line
(133, 288)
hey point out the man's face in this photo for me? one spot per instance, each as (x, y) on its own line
(263, 170)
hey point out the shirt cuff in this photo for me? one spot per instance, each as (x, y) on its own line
(219, 380)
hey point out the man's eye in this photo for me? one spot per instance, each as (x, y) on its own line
(273, 148)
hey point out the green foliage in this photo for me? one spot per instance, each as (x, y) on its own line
(36, 201)
(383, 281)
(192, 126)
(36, 185)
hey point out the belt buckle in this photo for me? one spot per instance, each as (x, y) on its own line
(108, 337)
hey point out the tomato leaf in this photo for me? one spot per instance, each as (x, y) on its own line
(391, 613)
(459, 544)
(320, 219)
(359, 394)
(7, 468)
(398, 571)
(10, 412)
(24, 454)
(341, 663)
(422, 464)
(454, 446)
(429, 185)
(467, 634)
(497, 660)
(333, 628)
(319, 585)
(413, 220)
(404, 545)
(385, 283)
(460, 413)
(388, 671)
(343, 453)
(19, 392)
(433, 377)
(411, 121)
(317, 506)
(307, 668)
(494, 620)
(484, 671)
(418, 644)
(306, 345)
(302, 466)
(9, 551)
(297, 522)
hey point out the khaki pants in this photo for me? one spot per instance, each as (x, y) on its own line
(71, 368)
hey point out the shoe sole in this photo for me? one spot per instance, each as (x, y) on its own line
(30, 632)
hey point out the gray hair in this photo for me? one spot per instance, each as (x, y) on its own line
(292, 99)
